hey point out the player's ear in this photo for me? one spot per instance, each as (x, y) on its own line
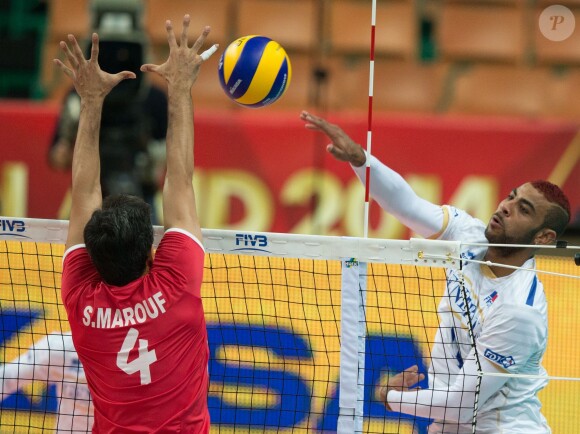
(545, 236)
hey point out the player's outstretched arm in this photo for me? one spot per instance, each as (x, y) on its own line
(92, 84)
(180, 71)
(387, 187)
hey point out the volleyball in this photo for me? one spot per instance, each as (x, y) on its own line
(254, 71)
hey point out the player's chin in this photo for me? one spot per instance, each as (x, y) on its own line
(494, 236)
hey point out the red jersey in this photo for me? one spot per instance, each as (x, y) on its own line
(144, 345)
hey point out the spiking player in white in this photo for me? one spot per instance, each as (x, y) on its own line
(506, 307)
(54, 360)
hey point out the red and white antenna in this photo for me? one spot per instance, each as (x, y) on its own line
(370, 119)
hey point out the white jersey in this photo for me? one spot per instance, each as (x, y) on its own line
(54, 360)
(509, 320)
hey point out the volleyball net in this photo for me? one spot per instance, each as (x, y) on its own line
(303, 330)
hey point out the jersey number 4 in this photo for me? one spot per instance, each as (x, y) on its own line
(140, 364)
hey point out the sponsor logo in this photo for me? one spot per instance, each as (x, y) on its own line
(12, 228)
(467, 255)
(505, 361)
(251, 242)
(235, 86)
(352, 262)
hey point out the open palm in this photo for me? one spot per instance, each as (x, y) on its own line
(89, 80)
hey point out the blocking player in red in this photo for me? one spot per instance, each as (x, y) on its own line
(137, 321)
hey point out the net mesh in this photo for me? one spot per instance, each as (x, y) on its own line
(274, 337)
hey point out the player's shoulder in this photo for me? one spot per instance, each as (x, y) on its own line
(178, 247)
(181, 236)
(461, 216)
(74, 250)
(525, 287)
(460, 225)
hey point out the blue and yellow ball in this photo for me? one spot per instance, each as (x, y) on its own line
(254, 71)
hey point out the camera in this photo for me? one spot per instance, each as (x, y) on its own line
(124, 139)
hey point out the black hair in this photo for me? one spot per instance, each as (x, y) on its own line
(119, 237)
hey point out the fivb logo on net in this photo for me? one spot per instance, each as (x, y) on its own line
(557, 23)
(251, 242)
(12, 228)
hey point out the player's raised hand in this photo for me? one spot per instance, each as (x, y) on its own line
(181, 68)
(89, 80)
(343, 148)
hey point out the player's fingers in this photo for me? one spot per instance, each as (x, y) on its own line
(64, 68)
(170, 35)
(310, 126)
(201, 39)
(310, 118)
(95, 48)
(326, 127)
(69, 55)
(383, 393)
(312, 122)
(410, 379)
(124, 75)
(184, 29)
(149, 67)
(320, 123)
(208, 53)
(76, 49)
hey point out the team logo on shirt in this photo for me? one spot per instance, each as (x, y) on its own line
(504, 361)
(491, 298)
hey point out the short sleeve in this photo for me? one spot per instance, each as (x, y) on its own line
(77, 270)
(179, 261)
(511, 335)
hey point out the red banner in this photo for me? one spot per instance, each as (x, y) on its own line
(261, 170)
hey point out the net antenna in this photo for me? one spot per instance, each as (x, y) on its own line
(370, 119)
(354, 294)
